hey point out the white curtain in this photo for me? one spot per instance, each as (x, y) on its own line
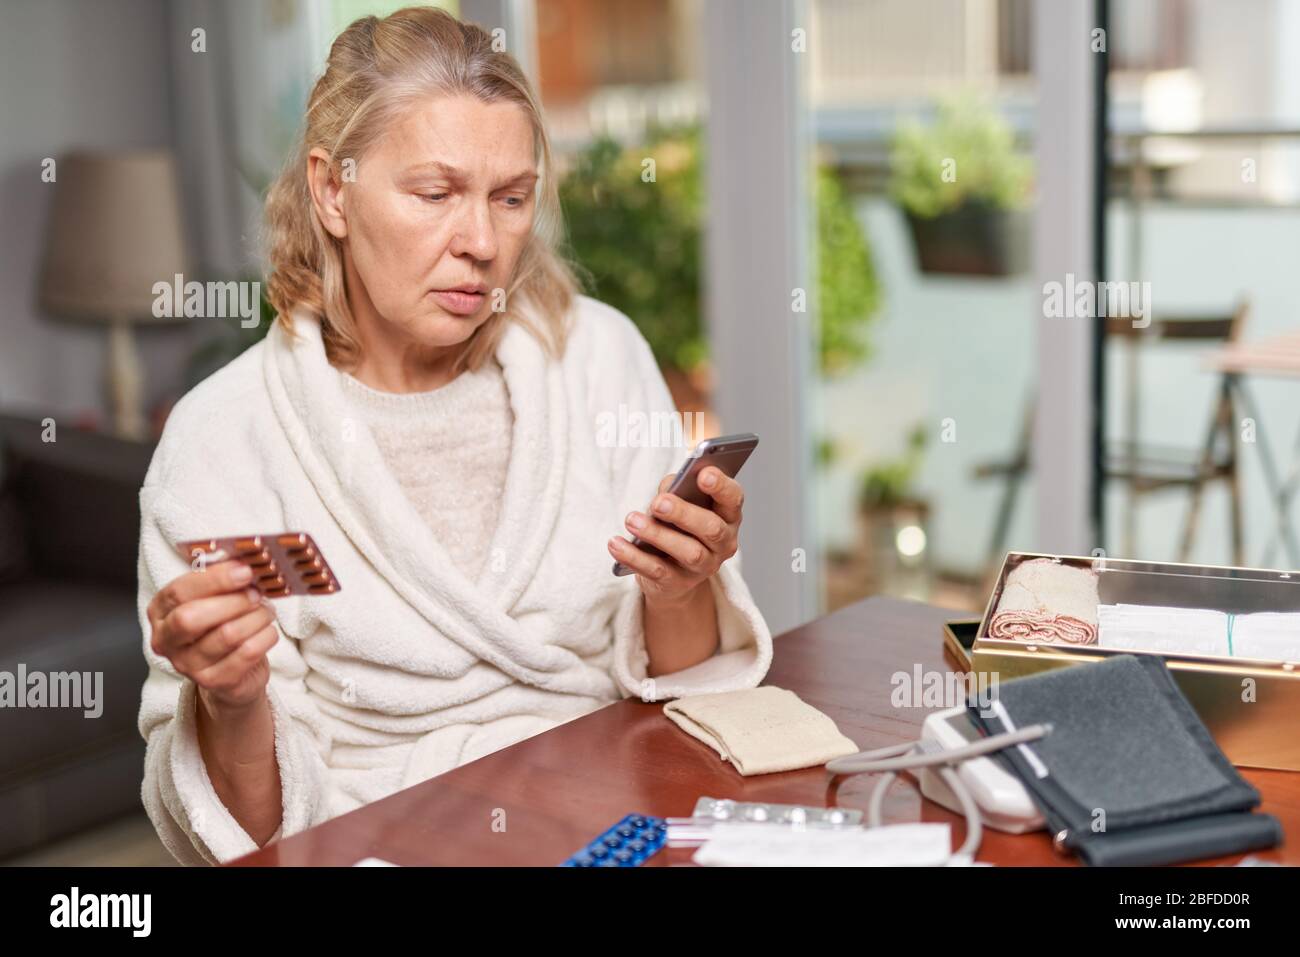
(236, 107)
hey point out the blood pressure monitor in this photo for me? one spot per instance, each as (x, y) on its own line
(1003, 802)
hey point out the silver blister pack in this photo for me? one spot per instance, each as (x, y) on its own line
(758, 812)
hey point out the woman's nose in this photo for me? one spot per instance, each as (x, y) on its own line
(475, 235)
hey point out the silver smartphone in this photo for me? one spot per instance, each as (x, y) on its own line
(727, 452)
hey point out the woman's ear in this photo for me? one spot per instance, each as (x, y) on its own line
(326, 193)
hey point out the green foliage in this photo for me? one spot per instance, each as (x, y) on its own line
(825, 452)
(638, 245)
(847, 289)
(889, 483)
(986, 166)
(638, 242)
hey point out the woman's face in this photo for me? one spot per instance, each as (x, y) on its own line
(437, 217)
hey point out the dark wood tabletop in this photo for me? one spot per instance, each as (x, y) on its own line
(538, 801)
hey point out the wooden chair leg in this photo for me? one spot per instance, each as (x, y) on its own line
(1234, 504)
(1236, 519)
(1220, 419)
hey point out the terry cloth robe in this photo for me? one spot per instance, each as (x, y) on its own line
(412, 669)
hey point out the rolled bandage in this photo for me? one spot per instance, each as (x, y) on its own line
(1045, 601)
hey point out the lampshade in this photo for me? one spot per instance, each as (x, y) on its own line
(114, 231)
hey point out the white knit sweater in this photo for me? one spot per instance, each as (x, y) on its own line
(413, 668)
(448, 449)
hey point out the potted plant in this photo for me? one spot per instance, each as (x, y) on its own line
(638, 246)
(964, 187)
(894, 521)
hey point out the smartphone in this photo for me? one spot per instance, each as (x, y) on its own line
(727, 452)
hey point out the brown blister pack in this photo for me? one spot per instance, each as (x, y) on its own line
(284, 564)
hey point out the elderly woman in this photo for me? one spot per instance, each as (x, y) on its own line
(426, 408)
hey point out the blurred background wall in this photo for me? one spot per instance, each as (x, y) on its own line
(920, 358)
(74, 74)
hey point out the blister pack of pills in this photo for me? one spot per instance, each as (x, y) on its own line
(758, 812)
(629, 843)
(714, 815)
(284, 564)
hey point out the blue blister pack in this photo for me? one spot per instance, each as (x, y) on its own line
(629, 843)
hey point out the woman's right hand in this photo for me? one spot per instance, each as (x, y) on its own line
(216, 629)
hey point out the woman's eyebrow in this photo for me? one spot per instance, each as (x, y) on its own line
(434, 166)
(458, 176)
(528, 177)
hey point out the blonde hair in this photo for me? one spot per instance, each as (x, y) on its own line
(376, 68)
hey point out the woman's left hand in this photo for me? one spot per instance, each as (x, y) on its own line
(697, 540)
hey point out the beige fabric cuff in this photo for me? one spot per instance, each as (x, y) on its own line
(761, 730)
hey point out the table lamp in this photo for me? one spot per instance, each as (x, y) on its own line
(114, 231)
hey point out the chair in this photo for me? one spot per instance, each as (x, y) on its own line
(1148, 467)
(69, 527)
(1151, 467)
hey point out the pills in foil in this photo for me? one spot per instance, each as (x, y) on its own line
(758, 812)
(283, 564)
(628, 843)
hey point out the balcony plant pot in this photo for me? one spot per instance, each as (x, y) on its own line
(975, 239)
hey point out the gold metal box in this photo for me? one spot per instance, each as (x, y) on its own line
(1252, 707)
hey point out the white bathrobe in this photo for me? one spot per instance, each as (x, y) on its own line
(413, 669)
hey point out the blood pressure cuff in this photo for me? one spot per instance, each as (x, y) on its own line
(1129, 775)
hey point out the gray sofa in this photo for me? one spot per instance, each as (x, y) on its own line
(69, 527)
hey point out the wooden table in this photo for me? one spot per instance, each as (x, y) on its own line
(540, 800)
